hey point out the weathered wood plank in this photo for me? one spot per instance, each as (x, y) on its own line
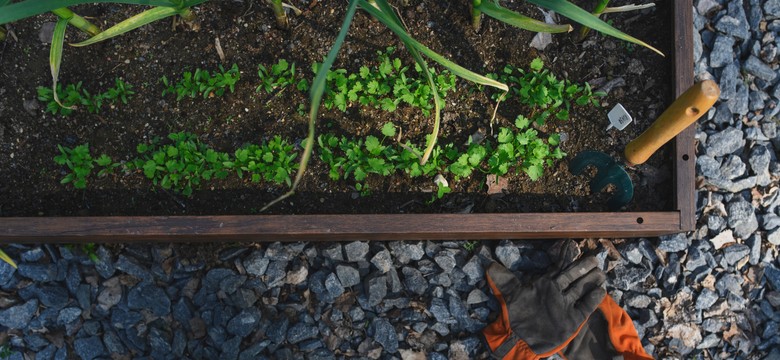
(336, 227)
(685, 152)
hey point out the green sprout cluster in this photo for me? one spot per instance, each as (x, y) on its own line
(81, 163)
(542, 92)
(183, 163)
(279, 76)
(202, 83)
(383, 86)
(73, 96)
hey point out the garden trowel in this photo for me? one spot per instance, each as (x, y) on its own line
(688, 108)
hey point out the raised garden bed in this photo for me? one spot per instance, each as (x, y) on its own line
(337, 220)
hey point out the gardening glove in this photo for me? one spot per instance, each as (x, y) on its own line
(608, 333)
(541, 319)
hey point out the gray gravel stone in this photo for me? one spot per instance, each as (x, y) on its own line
(706, 299)
(68, 315)
(446, 261)
(754, 243)
(629, 277)
(38, 272)
(733, 26)
(149, 297)
(414, 280)
(105, 263)
(729, 282)
(348, 275)
(89, 348)
(722, 52)
(707, 166)
(32, 255)
(244, 323)
(742, 217)
(508, 254)
(476, 296)
(17, 317)
(732, 167)
(735, 253)
(441, 311)
(772, 275)
(384, 334)
(52, 296)
(333, 286)
(725, 142)
(772, 8)
(6, 273)
(773, 237)
(729, 79)
(333, 252)
(256, 264)
(376, 287)
(406, 252)
(356, 251)
(673, 243)
(301, 331)
(739, 103)
(132, 267)
(383, 261)
(723, 115)
(759, 162)
(757, 68)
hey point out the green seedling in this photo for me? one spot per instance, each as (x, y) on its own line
(272, 161)
(384, 86)
(74, 96)
(181, 165)
(79, 162)
(543, 93)
(279, 76)
(202, 83)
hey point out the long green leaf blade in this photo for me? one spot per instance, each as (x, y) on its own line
(585, 18)
(55, 53)
(510, 17)
(28, 8)
(131, 23)
(316, 92)
(438, 103)
(7, 259)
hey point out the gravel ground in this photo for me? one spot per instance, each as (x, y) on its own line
(714, 293)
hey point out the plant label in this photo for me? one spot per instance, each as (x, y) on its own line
(619, 118)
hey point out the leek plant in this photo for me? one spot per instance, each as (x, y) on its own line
(601, 8)
(281, 16)
(7, 259)
(383, 12)
(565, 8)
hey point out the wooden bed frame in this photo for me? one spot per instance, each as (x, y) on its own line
(400, 226)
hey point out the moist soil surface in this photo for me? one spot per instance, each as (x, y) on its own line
(30, 180)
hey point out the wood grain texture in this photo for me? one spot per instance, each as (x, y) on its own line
(336, 227)
(685, 152)
(397, 226)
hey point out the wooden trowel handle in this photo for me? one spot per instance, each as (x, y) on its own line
(684, 111)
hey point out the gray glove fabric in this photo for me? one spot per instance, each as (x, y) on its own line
(540, 319)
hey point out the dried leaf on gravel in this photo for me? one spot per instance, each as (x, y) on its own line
(725, 237)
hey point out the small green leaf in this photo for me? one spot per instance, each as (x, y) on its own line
(388, 129)
(537, 64)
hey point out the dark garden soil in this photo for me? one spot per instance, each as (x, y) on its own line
(30, 180)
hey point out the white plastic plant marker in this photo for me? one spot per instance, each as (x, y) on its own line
(619, 118)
